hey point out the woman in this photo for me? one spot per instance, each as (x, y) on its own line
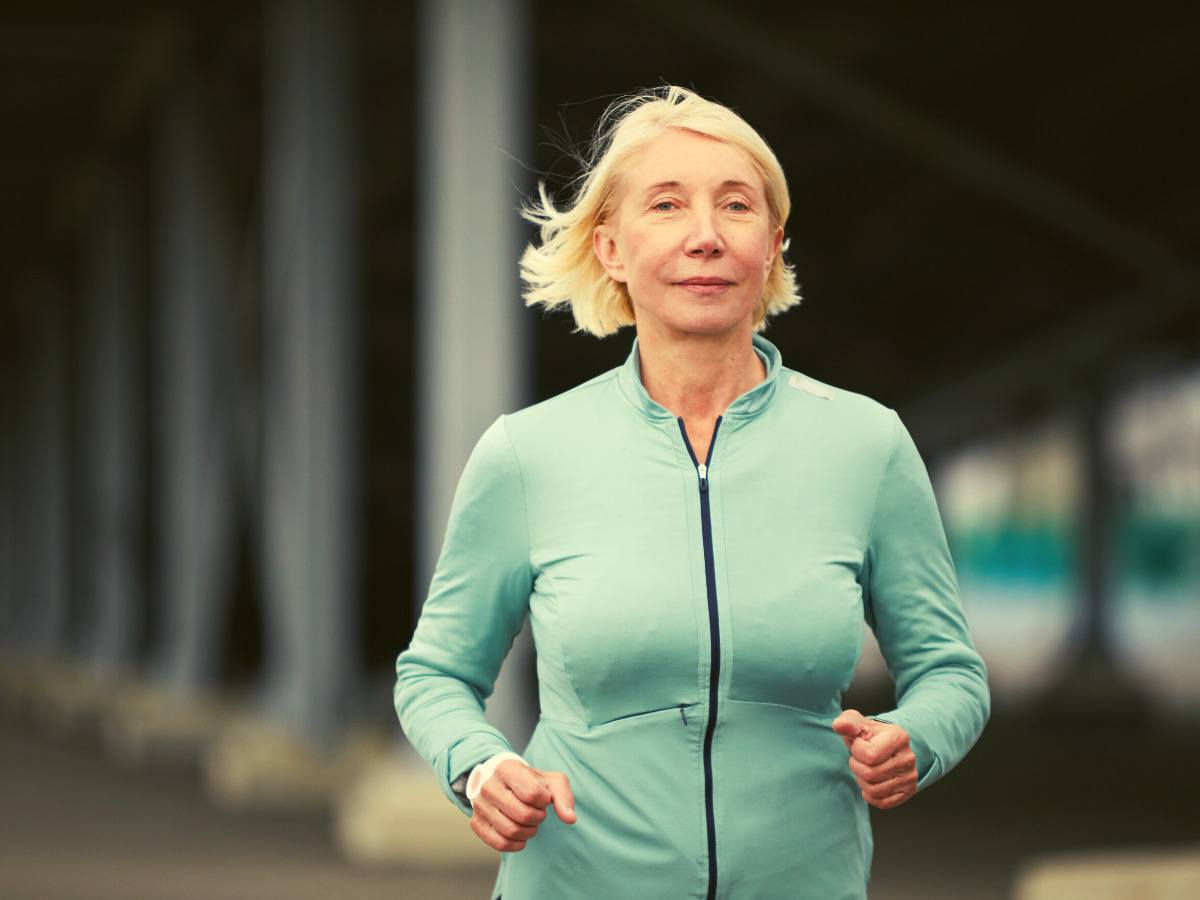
(697, 536)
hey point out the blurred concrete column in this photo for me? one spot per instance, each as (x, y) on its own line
(195, 395)
(110, 455)
(1092, 687)
(44, 517)
(471, 338)
(310, 460)
(41, 669)
(472, 362)
(34, 517)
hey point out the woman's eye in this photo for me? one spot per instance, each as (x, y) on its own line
(745, 207)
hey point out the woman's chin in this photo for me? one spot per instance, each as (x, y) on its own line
(710, 320)
(697, 314)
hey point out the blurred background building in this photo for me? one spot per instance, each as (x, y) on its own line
(260, 297)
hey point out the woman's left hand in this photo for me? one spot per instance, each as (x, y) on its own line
(880, 758)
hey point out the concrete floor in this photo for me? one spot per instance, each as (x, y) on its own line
(78, 825)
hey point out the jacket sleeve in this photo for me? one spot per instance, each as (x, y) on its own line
(477, 602)
(912, 604)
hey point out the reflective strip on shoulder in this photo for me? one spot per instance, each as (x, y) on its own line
(812, 387)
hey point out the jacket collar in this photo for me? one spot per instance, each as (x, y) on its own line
(747, 406)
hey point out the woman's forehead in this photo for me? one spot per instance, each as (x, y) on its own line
(687, 157)
(685, 161)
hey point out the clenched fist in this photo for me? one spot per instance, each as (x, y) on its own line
(512, 803)
(882, 762)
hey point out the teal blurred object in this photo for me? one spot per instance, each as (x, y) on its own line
(1016, 552)
(1156, 557)
(1012, 519)
(1159, 554)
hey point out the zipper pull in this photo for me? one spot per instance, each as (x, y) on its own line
(703, 470)
(681, 713)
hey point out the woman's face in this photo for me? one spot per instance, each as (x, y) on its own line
(690, 206)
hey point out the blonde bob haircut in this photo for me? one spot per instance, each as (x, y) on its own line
(564, 270)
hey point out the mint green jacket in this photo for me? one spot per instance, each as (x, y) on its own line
(696, 623)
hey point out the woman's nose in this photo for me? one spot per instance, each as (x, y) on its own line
(704, 248)
(704, 239)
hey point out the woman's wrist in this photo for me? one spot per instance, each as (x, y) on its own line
(484, 770)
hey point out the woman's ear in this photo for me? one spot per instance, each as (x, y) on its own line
(605, 247)
(776, 241)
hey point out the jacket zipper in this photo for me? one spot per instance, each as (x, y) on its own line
(714, 632)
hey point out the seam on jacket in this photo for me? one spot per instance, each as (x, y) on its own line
(535, 574)
(547, 660)
(524, 498)
(687, 475)
(804, 710)
(560, 636)
(684, 463)
(728, 668)
(882, 476)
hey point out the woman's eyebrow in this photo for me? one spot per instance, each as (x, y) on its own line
(727, 183)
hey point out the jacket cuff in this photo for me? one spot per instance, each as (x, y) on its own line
(462, 756)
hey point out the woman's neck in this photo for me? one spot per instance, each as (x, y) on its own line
(697, 376)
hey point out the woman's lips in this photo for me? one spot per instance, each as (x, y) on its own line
(705, 288)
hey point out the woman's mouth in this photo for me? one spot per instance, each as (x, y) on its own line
(705, 285)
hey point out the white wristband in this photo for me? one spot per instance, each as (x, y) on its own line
(484, 770)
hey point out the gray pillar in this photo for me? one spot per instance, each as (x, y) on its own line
(471, 326)
(193, 374)
(310, 515)
(1092, 687)
(110, 589)
(44, 517)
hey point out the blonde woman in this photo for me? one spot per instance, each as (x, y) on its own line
(699, 537)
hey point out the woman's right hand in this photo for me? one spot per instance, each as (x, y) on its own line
(512, 803)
